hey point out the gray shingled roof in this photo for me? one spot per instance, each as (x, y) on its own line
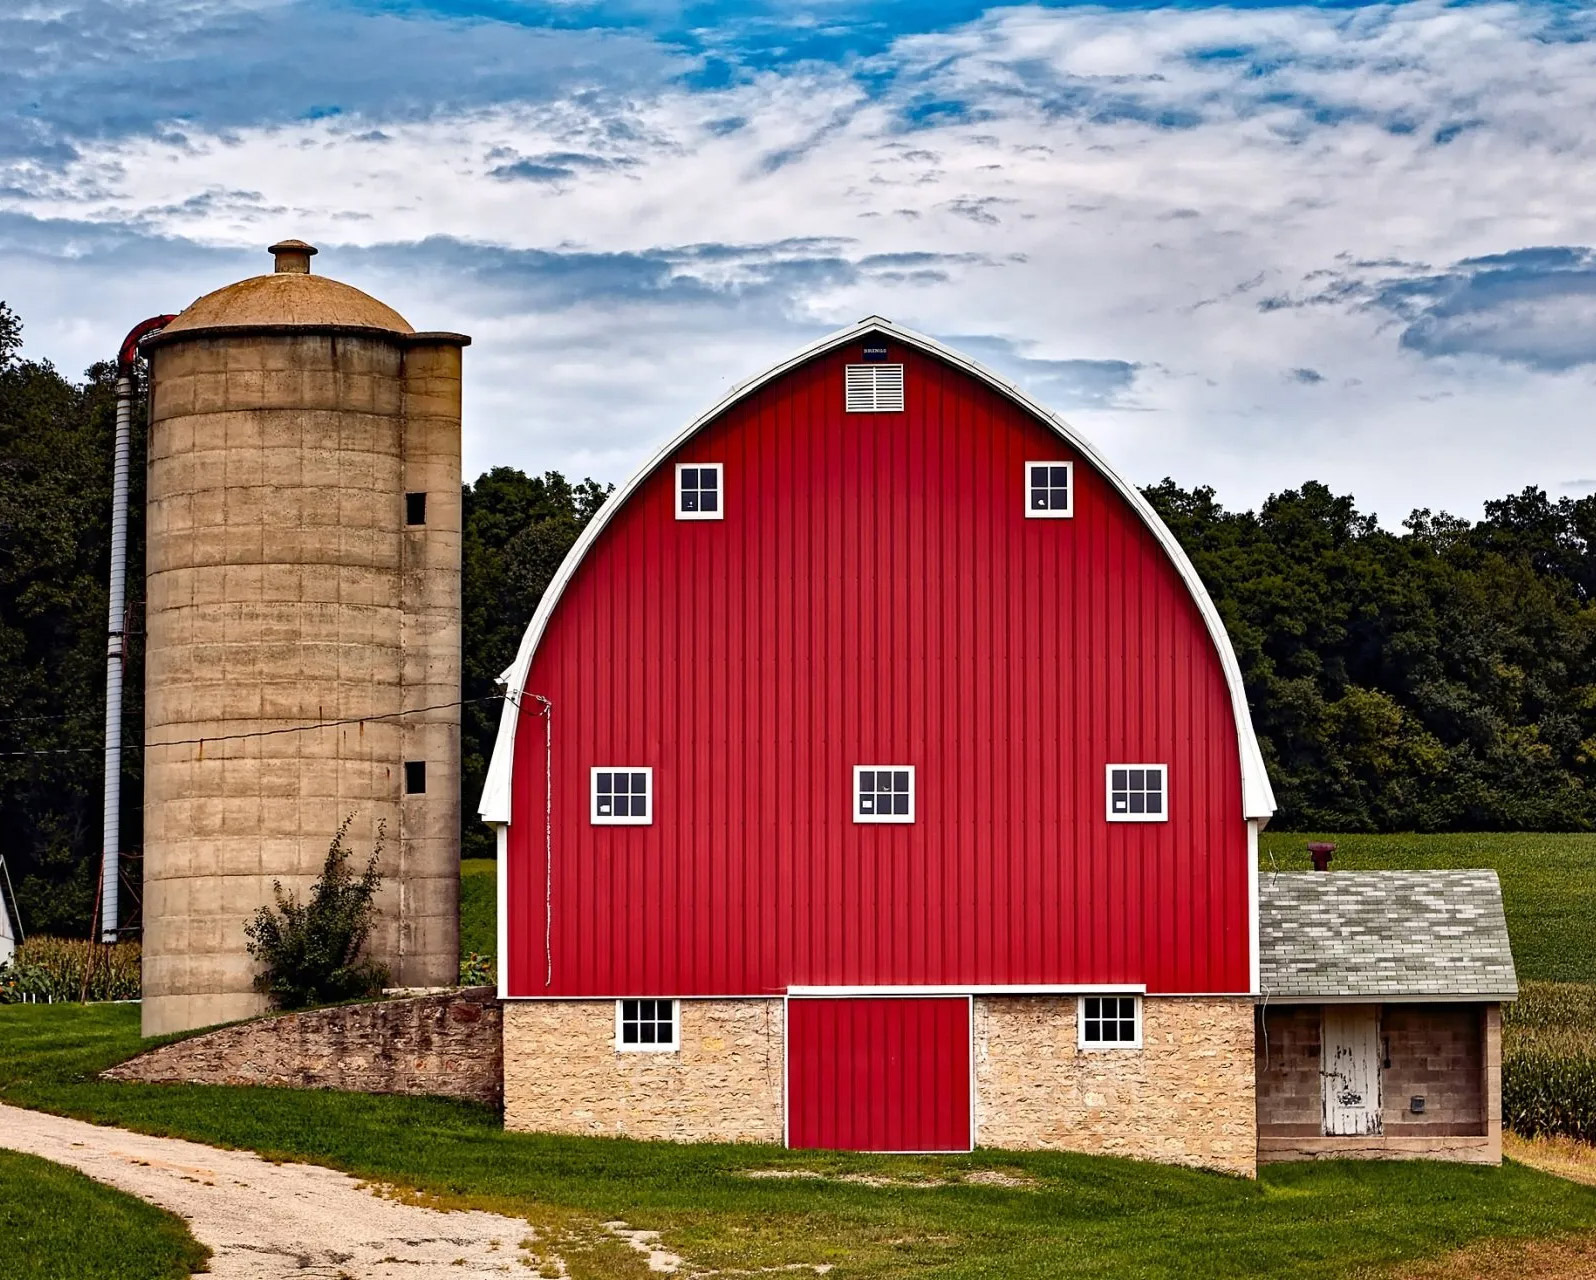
(1384, 934)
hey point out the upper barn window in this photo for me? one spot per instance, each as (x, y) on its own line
(1138, 793)
(700, 491)
(883, 793)
(623, 797)
(1050, 489)
(873, 388)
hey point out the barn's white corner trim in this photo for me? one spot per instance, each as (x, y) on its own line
(1257, 797)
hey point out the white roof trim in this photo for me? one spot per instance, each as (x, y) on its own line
(1257, 797)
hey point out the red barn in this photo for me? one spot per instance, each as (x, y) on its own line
(876, 773)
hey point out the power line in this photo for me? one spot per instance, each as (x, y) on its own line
(259, 733)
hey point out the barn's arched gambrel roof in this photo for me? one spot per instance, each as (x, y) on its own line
(1257, 796)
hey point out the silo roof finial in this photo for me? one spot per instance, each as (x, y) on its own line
(293, 256)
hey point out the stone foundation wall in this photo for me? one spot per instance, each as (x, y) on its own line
(563, 1074)
(1186, 1097)
(445, 1044)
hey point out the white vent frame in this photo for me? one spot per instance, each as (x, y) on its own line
(873, 388)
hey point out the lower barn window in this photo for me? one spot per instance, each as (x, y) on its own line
(1110, 1022)
(883, 793)
(623, 797)
(645, 1026)
(1138, 793)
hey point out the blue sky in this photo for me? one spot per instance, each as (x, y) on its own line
(1242, 245)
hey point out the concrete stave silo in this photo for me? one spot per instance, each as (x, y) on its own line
(292, 579)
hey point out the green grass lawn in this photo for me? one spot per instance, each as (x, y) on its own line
(55, 1224)
(1548, 885)
(479, 907)
(1075, 1216)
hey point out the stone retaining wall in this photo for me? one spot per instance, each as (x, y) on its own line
(449, 1044)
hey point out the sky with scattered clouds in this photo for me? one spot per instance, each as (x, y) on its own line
(1242, 245)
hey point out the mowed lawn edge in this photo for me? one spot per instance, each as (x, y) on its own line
(1059, 1216)
(479, 907)
(57, 1224)
(1548, 884)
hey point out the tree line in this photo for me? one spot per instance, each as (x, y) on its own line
(1438, 678)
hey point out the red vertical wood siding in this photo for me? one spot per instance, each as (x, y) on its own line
(876, 595)
(879, 1074)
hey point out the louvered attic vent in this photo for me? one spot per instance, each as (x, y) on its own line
(874, 388)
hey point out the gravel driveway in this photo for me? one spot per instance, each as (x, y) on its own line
(266, 1220)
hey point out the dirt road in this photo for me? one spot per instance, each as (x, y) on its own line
(265, 1220)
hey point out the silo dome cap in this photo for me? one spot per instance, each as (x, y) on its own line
(290, 297)
(293, 255)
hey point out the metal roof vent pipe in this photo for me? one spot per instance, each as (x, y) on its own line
(293, 256)
(1321, 854)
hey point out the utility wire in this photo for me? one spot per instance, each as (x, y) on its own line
(258, 733)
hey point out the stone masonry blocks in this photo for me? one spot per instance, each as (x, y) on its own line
(563, 1074)
(1186, 1097)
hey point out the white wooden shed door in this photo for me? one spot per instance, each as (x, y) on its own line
(1350, 1067)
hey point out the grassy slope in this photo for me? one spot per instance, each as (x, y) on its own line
(55, 1224)
(479, 912)
(1548, 885)
(1085, 1217)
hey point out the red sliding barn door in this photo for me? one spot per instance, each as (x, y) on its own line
(879, 1073)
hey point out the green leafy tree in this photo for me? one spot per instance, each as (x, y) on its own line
(313, 952)
(56, 441)
(517, 530)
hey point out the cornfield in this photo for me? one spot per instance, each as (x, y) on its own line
(52, 970)
(1549, 1061)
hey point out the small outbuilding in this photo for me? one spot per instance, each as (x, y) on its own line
(1380, 1015)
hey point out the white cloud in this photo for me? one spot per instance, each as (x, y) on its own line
(1100, 185)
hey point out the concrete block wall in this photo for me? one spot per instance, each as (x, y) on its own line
(1450, 1053)
(283, 589)
(1436, 1051)
(1290, 1089)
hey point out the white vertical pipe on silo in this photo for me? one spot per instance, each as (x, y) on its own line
(116, 611)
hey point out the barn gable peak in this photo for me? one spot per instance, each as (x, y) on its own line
(1257, 796)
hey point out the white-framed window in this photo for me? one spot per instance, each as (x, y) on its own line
(883, 793)
(647, 1026)
(1138, 793)
(623, 796)
(873, 388)
(700, 491)
(1050, 490)
(1109, 1022)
